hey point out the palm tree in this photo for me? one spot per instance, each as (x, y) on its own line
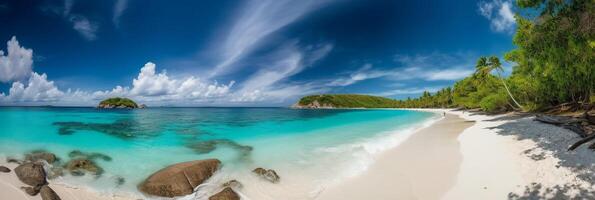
(485, 66)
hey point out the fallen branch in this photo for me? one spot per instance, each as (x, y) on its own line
(581, 142)
(556, 120)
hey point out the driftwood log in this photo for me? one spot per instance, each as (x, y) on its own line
(581, 142)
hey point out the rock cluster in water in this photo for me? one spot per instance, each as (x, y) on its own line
(39, 166)
(31, 172)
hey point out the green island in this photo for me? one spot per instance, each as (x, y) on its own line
(119, 102)
(552, 69)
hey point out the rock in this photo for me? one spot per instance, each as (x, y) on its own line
(233, 184)
(225, 194)
(13, 160)
(4, 169)
(142, 106)
(179, 179)
(78, 167)
(55, 172)
(41, 155)
(267, 174)
(31, 190)
(48, 194)
(31, 174)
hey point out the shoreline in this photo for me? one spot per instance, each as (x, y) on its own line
(464, 155)
(409, 170)
(502, 157)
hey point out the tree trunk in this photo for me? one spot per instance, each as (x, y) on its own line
(508, 91)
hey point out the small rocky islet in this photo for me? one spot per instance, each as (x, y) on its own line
(119, 103)
(175, 180)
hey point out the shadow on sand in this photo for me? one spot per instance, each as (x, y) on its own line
(553, 140)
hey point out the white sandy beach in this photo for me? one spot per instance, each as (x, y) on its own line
(464, 156)
(498, 157)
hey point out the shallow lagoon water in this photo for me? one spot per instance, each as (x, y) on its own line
(310, 149)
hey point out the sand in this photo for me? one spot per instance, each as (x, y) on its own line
(491, 157)
(425, 166)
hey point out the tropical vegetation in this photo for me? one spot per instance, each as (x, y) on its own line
(118, 102)
(554, 63)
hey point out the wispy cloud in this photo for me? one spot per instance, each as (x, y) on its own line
(429, 67)
(83, 25)
(254, 22)
(290, 60)
(500, 14)
(119, 8)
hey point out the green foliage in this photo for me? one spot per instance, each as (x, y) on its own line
(118, 101)
(555, 52)
(494, 103)
(349, 101)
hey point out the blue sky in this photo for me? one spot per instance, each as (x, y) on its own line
(240, 53)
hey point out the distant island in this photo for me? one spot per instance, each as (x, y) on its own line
(119, 102)
(345, 101)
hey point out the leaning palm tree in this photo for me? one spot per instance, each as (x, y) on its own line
(485, 66)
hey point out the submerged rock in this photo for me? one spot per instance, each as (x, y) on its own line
(267, 174)
(119, 180)
(233, 184)
(207, 146)
(55, 172)
(78, 167)
(31, 174)
(121, 128)
(225, 194)
(31, 190)
(41, 155)
(90, 156)
(179, 179)
(4, 169)
(13, 160)
(48, 194)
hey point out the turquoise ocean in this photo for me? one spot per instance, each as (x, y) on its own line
(310, 149)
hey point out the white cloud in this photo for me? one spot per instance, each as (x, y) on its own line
(38, 89)
(500, 14)
(257, 20)
(84, 26)
(17, 64)
(151, 84)
(119, 8)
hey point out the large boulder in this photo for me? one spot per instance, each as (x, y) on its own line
(268, 174)
(41, 155)
(78, 167)
(48, 194)
(225, 194)
(179, 179)
(31, 174)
